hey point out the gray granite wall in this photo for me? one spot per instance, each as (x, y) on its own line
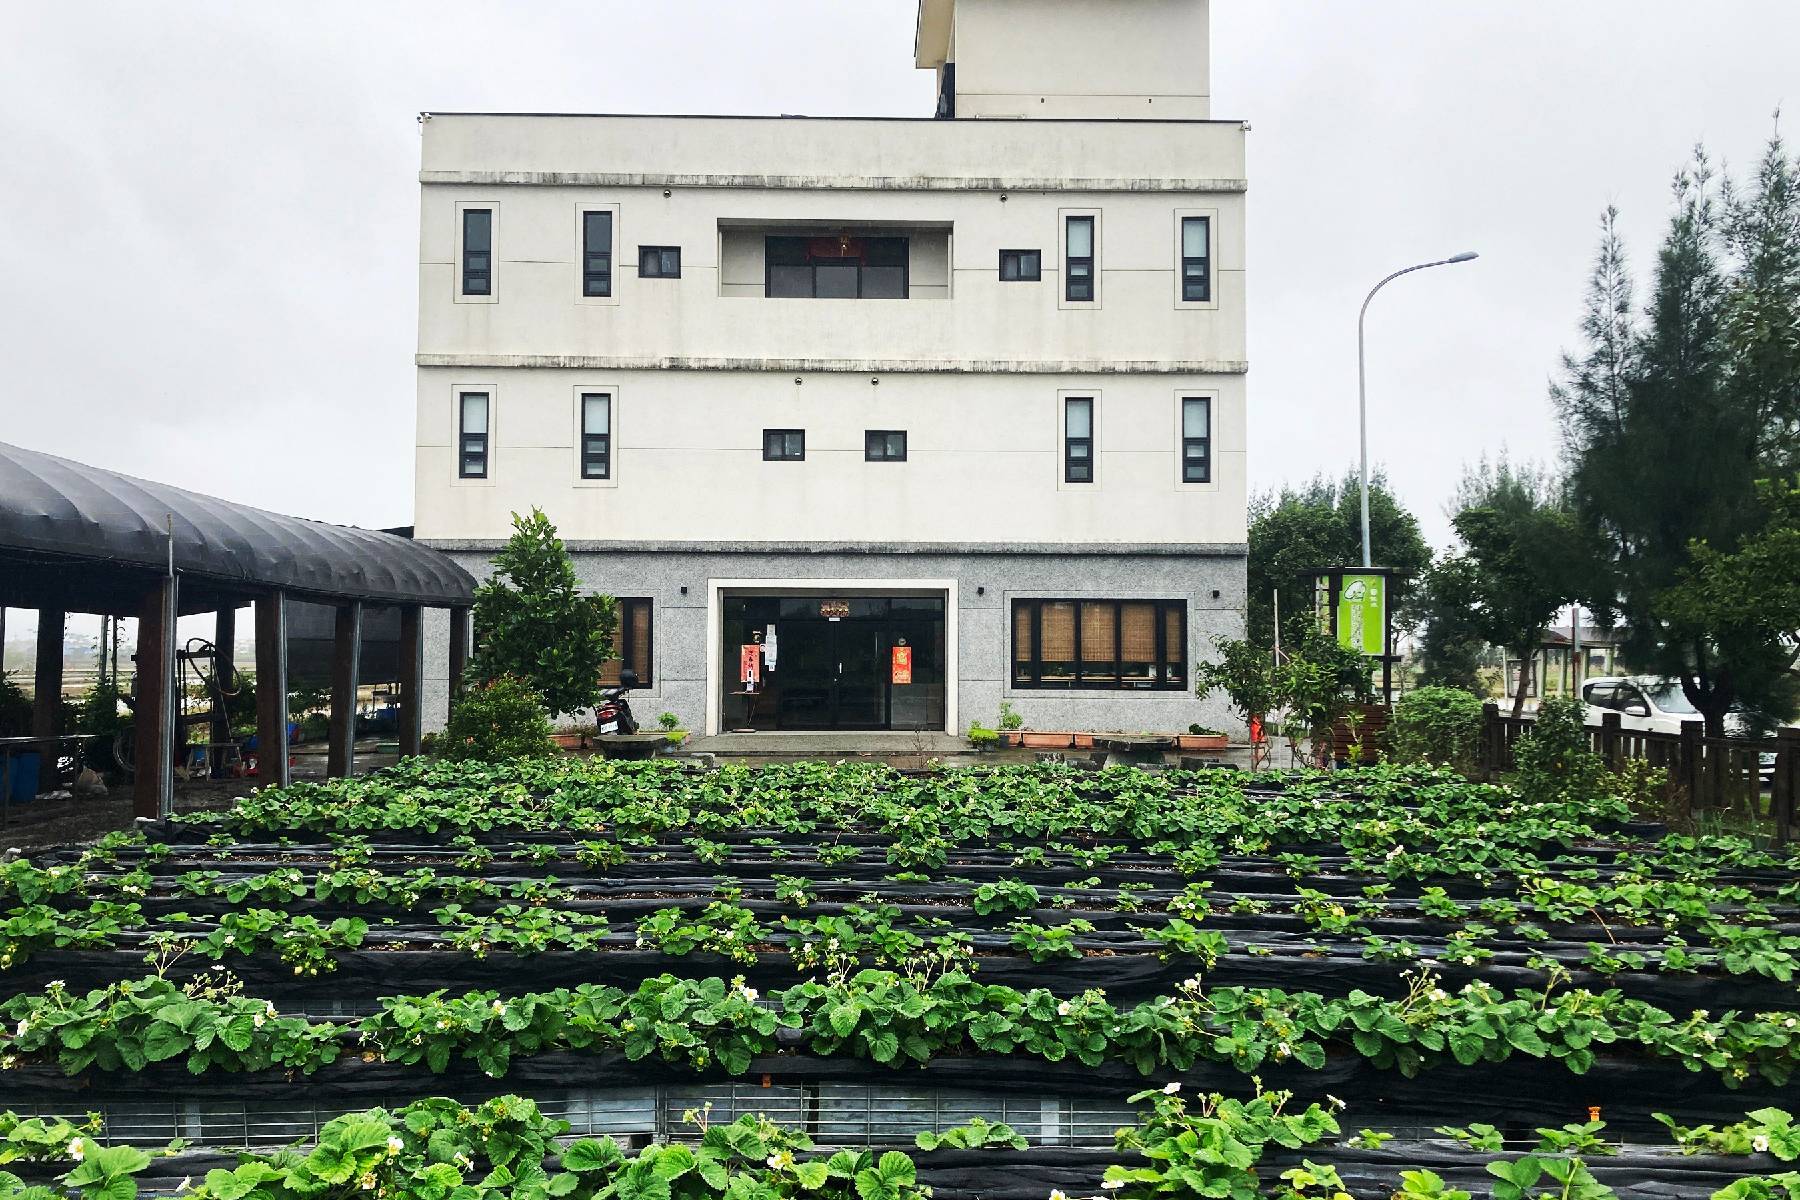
(988, 578)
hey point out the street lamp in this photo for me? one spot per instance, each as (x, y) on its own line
(1362, 384)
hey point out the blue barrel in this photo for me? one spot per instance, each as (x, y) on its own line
(23, 783)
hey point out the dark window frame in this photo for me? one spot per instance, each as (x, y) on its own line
(624, 641)
(473, 444)
(662, 262)
(905, 265)
(477, 265)
(1073, 462)
(1196, 467)
(596, 448)
(784, 456)
(596, 265)
(1080, 288)
(1196, 287)
(869, 445)
(1082, 677)
(1020, 257)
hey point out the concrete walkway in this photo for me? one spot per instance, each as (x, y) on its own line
(902, 749)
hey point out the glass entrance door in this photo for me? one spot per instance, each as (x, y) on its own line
(828, 663)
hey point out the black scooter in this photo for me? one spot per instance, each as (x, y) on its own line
(614, 713)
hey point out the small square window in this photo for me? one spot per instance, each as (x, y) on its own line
(784, 445)
(1021, 266)
(659, 262)
(884, 445)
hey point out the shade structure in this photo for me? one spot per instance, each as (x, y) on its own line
(68, 526)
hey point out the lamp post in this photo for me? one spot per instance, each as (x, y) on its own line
(1362, 383)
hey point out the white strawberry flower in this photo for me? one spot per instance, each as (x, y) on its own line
(395, 1145)
(1760, 1143)
(1170, 1088)
(77, 1149)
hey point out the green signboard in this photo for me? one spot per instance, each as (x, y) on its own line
(1362, 614)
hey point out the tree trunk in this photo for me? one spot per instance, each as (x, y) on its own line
(1526, 658)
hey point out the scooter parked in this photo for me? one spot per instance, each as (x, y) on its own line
(614, 713)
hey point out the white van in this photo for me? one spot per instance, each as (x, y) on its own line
(1656, 706)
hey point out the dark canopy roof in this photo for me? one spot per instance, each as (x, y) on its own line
(64, 525)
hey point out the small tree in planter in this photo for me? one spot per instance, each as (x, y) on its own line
(497, 721)
(1322, 683)
(531, 622)
(1248, 676)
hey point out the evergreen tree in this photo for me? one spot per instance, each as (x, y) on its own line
(1298, 530)
(532, 623)
(1528, 557)
(1450, 641)
(1762, 306)
(1670, 421)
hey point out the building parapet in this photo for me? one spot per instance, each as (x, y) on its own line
(815, 183)
(854, 366)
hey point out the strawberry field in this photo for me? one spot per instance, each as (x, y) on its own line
(644, 980)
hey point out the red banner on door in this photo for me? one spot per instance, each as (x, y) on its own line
(750, 664)
(902, 664)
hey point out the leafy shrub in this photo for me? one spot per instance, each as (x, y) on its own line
(1437, 725)
(1009, 716)
(981, 736)
(498, 721)
(1553, 762)
(15, 709)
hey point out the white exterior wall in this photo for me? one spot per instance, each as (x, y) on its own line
(984, 458)
(1072, 58)
(973, 369)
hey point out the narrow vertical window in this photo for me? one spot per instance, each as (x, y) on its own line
(1196, 258)
(1078, 440)
(1196, 439)
(1078, 259)
(596, 435)
(478, 252)
(472, 459)
(596, 253)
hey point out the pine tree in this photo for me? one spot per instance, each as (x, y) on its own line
(532, 622)
(1762, 305)
(1670, 421)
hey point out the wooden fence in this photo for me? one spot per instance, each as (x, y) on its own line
(1721, 774)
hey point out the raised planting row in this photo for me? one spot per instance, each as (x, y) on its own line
(438, 1149)
(1665, 919)
(1429, 949)
(715, 1024)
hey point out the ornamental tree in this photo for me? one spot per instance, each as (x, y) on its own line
(532, 622)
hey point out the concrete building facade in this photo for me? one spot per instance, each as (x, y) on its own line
(874, 423)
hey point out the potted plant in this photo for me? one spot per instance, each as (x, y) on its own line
(1011, 726)
(981, 737)
(571, 737)
(1199, 737)
(671, 727)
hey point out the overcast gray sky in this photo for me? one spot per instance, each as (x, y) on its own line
(210, 209)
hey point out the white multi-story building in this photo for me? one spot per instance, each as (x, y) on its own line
(932, 413)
